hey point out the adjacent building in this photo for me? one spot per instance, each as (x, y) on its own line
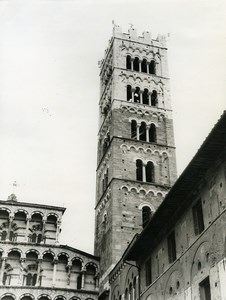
(181, 252)
(33, 264)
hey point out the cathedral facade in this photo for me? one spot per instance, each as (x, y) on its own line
(156, 236)
(33, 264)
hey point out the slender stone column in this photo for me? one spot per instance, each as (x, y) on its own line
(58, 232)
(27, 229)
(38, 282)
(149, 98)
(97, 281)
(144, 172)
(139, 65)
(138, 131)
(83, 279)
(9, 228)
(147, 133)
(148, 67)
(69, 275)
(54, 271)
(133, 95)
(43, 230)
(21, 273)
(141, 97)
(132, 61)
(2, 270)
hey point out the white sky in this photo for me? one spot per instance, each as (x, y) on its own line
(48, 59)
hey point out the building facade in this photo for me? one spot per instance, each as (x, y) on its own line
(181, 253)
(136, 163)
(33, 264)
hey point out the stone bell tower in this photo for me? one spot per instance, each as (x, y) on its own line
(136, 163)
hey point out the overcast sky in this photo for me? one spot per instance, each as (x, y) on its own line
(49, 89)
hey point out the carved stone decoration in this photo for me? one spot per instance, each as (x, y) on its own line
(12, 197)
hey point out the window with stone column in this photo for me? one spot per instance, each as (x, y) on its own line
(139, 170)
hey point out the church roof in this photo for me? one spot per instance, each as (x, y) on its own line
(175, 202)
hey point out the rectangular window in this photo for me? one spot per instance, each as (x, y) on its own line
(204, 289)
(171, 247)
(148, 272)
(198, 217)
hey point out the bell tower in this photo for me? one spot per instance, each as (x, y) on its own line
(136, 163)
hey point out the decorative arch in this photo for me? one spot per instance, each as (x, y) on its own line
(93, 265)
(201, 260)
(32, 251)
(37, 212)
(5, 209)
(115, 292)
(27, 296)
(52, 215)
(16, 250)
(19, 210)
(174, 284)
(64, 254)
(44, 297)
(49, 251)
(60, 297)
(8, 296)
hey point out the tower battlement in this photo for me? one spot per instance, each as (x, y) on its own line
(146, 38)
(131, 36)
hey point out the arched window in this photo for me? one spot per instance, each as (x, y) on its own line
(34, 279)
(137, 95)
(4, 235)
(79, 282)
(29, 279)
(146, 215)
(33, 238)
(139, 167)
(149, 169)
(39, 238)
(90, 277)
(128, 62)
(144, 66)
(134, 129)
(129, 93)
(154, 100)
(142, 132)
(152, 134)
(152, 67)
(136, 64)
(12, 236)
(145, 97)
(26, 298)
(7, 297)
